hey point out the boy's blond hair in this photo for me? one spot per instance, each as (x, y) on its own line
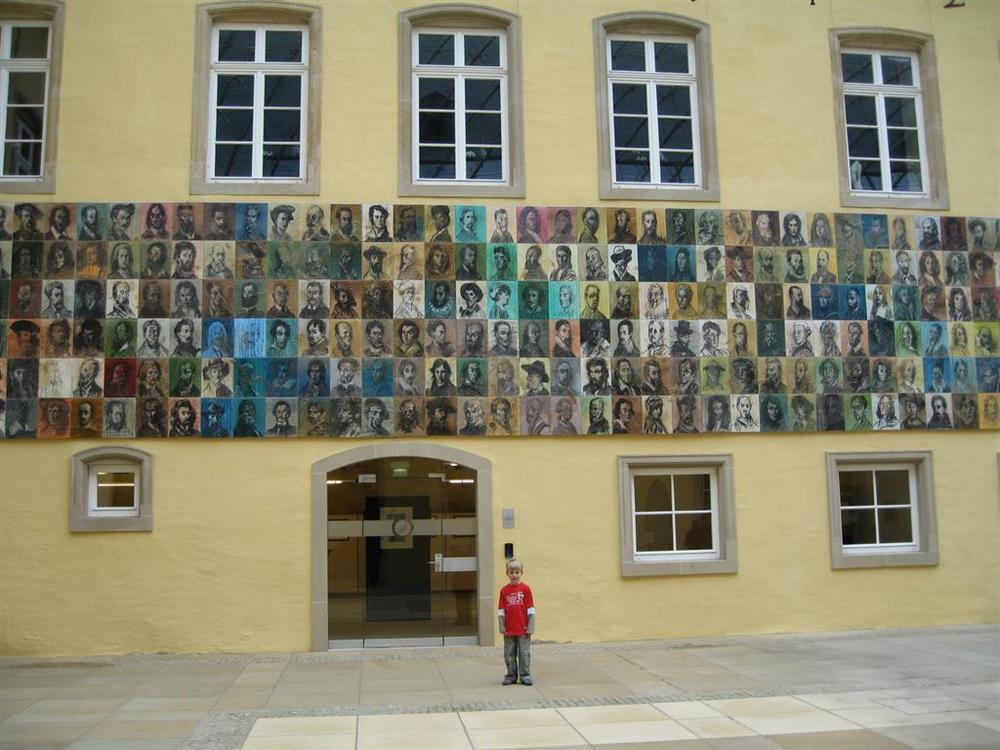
(514, 563)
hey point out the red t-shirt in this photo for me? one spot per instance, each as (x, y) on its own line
(515, 605)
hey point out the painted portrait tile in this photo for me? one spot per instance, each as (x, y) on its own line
(596, 412)
(745, 413)
(155, 259)
(774, 413)
(687, 414)
(680, 226)
(953, 233)
(765, 229)
(626, 415)
(742, 338)
(313, 377)
(875, 231)
(87, 418)
(927, 231)
(438, 226)
(220, 221)
(441, 414)
(91, 261)
(738, 229)
(408, 223)
(717, 414)
(501, 224)
(794, 230)
(939, 411)
(989, 411)
(119, 418)
(708, 226)
(849, 233)
(281, 417)
(472, 413)
(251, 221)
(501, 262)
(470, 223)
(965, 412)
(216, 418)
(562, 225)
(58, 222)
(592, 228)
(830, 417)
(981, 234)
(92, 221)
(409, 417)
(621, 225)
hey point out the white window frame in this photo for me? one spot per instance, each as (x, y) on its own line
(879, 546)
(85, 515)
(650, 79)
(459, 74)
(923, 550)
(48, 14)
(266, 14)
(722, 558)
(880, 91)
(934, 174)
(653, 27)
(259, 69)
(93, 484)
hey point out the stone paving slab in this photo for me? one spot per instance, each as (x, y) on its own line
(892, 688)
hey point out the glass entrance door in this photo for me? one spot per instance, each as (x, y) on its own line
(401, 553)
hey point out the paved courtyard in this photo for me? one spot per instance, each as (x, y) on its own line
(863, 690)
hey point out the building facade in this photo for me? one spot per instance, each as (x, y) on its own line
(313, 314)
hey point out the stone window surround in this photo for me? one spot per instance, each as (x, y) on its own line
(79, 517)
(210, 14)
(722, 465)
(922, 45)
(640, 23)
(927, 551)
(53, 11)
(460, 17)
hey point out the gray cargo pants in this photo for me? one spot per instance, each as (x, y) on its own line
(517, 655)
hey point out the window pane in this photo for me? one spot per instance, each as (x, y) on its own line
(437, 163)
(654, 534)
(628, 99)
(26, 88)
(232, 161)
(676, 167)
(283, 46)
(234, 125)
(896, 71)
(484, 163)
(628, 55)
(858, 526)
(437, 93)
(632, 166)
(670, 57)
(281, 160)
(860, 110)
(29, 42)
(436, 49)
(894, 526)
(906, 176)
(22, 158)
(866, 175)
(856, 488)
(903, 144)
(862, 142)
(673, 101)
(282, 124)
(235, 91)
(25, 123)
(115, 489)
(482, 129)
(652, 494)
(482, 95)
(282, 91)
(900, 112)
(437, 127)
(631, 132)
(857, 68)
(892, 487)
(236, 46)
(675, 134)
(482, 50)
(692, 492)
(694, 531)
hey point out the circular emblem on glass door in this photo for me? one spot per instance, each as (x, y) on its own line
(402, 527)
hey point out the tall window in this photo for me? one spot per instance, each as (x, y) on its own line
(883, 113)
(677, 515)
(890, 142)
(653, 93)
(460, 79)
(460, 102)
(882, 509)
(259, 91)
(655, 108)
(30, 54)
(24, 74)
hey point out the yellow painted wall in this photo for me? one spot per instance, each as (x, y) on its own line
(227, 566)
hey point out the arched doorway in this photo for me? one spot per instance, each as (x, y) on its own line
(402, 548)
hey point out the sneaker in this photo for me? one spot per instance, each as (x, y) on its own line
(508, 680)
(526, 680)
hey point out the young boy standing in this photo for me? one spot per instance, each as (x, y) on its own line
(517, 623)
